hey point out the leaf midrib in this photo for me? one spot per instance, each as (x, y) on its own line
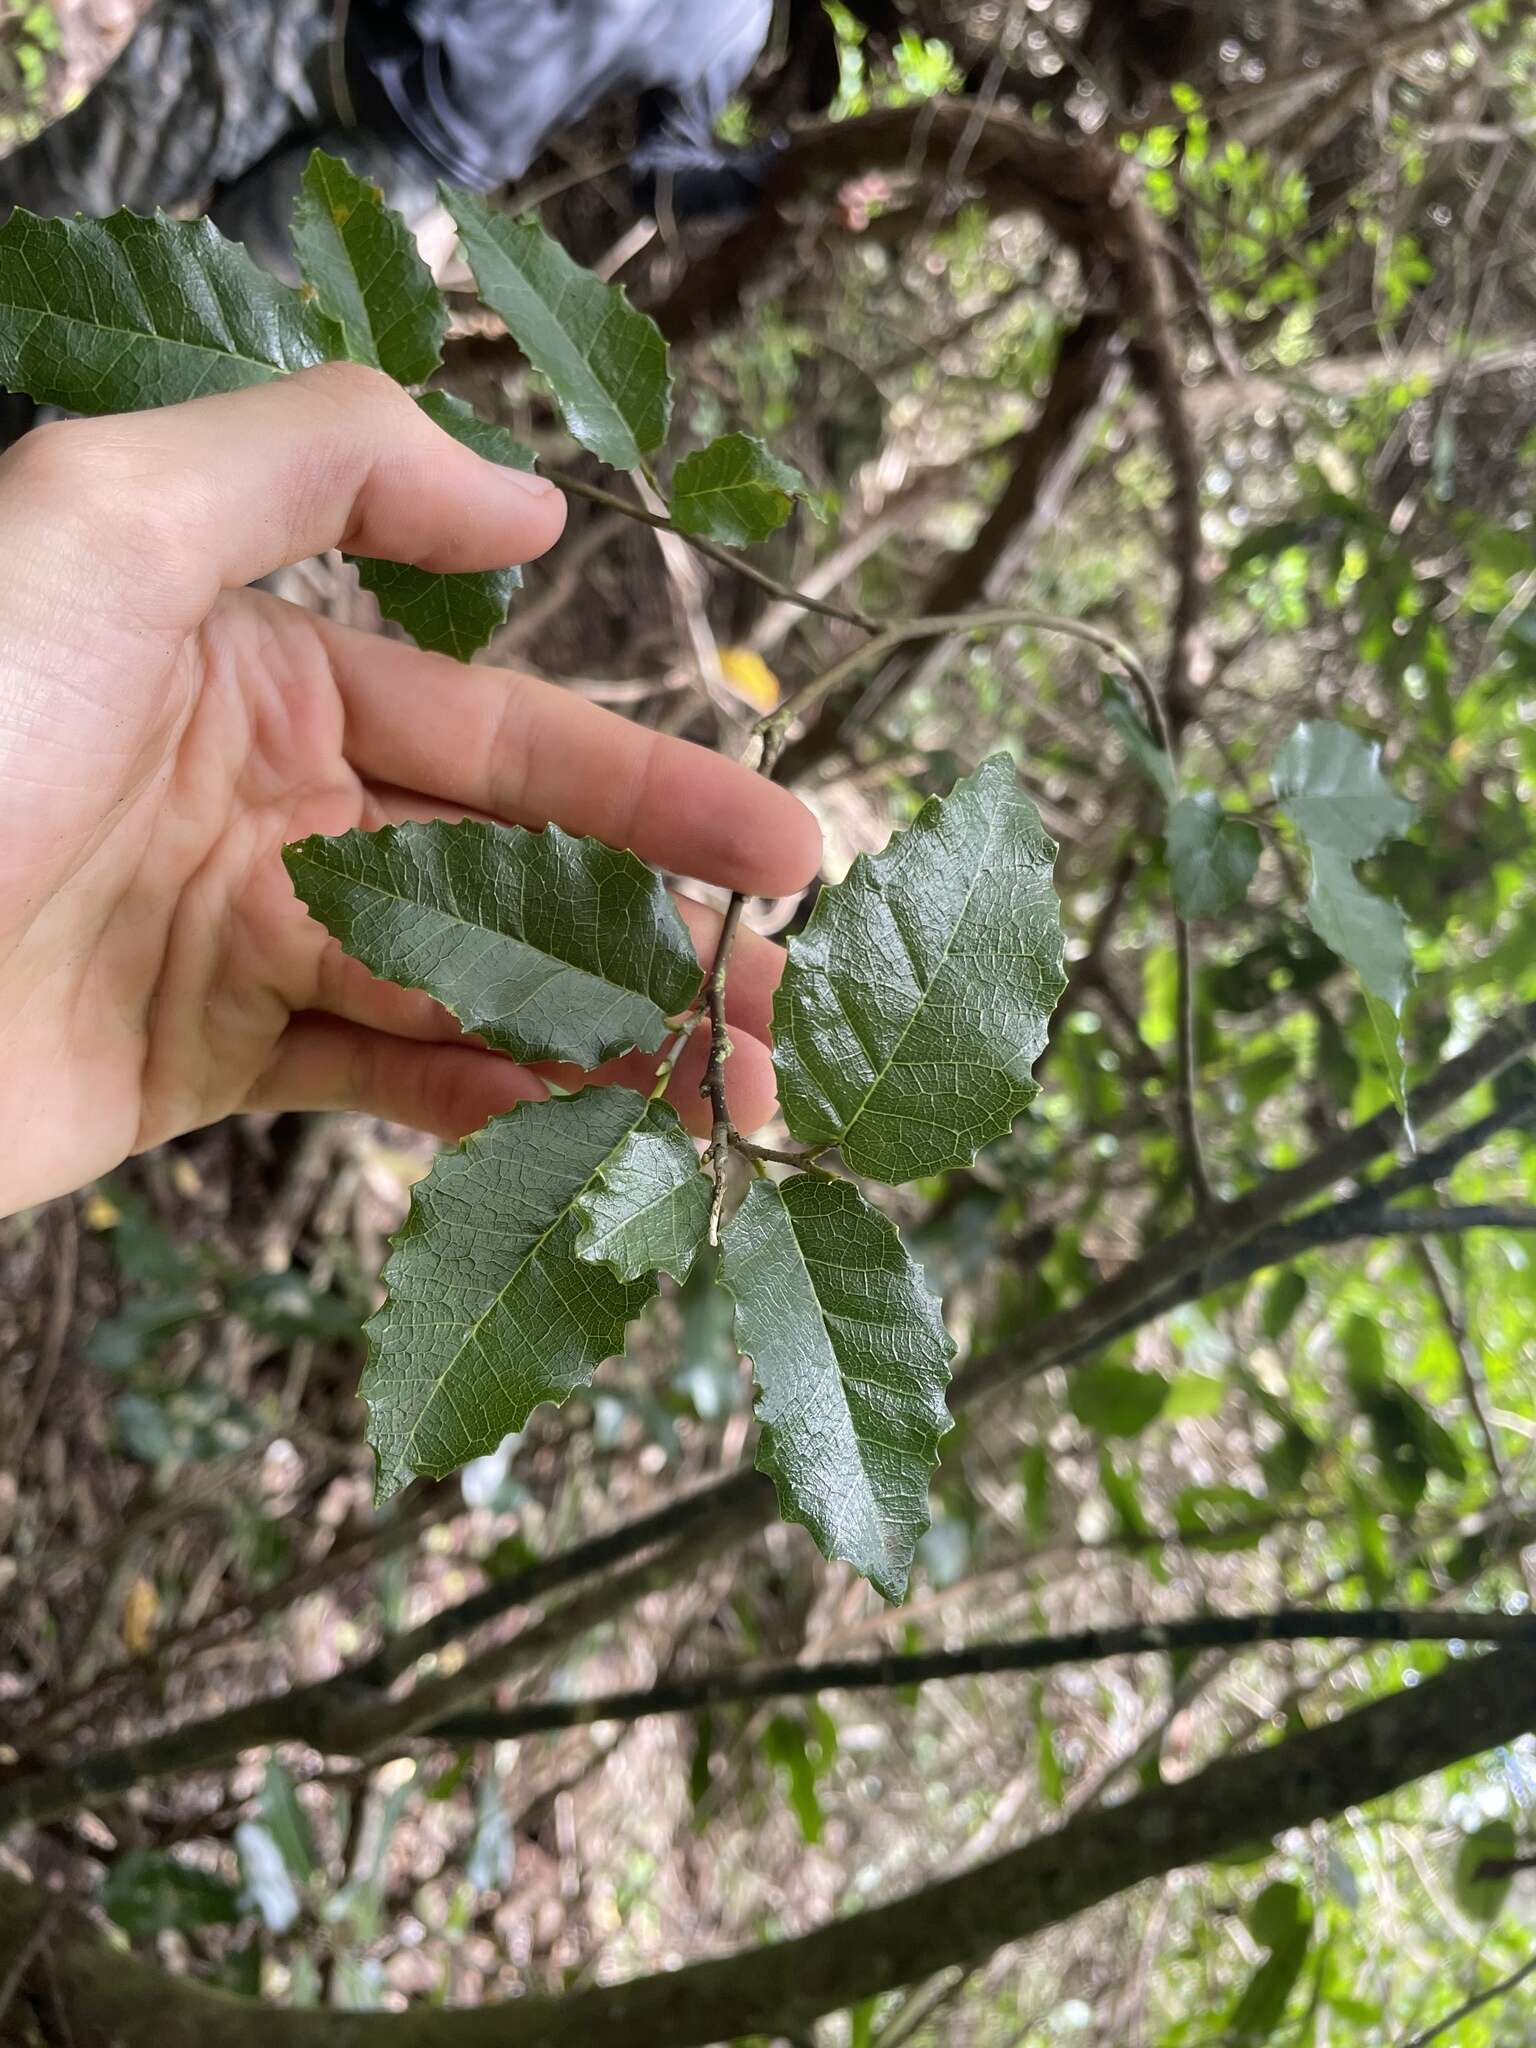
(141, 337)
(927, 989)
(465, 924)
(507, 1285)
(821, 1317)
(549, 303)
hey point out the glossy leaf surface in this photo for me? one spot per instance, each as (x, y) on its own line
(649, 1208)
(734, 491)
(361, 260)
(551, 948)
(917, 998)
(490, 1308)
(605, 362)
(121, 314)
(851, 1358)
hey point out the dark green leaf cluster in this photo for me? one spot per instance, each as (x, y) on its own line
(912, 1008)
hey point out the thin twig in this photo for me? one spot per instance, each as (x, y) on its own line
(1500, 1990)
(55, 1331)
(578, 487)
(1037, 1653)
(32, 1948)
(713, 1084)
(806, 1156)
(937, 627)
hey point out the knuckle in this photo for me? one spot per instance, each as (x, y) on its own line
(350, 384)
(61, 454)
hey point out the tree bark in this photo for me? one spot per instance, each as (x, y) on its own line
(80, 1991)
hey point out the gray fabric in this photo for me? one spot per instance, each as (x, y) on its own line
(207, 90)
(479, 84)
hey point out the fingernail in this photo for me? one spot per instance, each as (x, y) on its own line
(529, 484)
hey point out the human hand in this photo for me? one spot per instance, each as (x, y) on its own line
(165, 731)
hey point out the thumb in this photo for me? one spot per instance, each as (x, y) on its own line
(195, 498)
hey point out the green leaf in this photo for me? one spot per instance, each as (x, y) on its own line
(1365, 1358)
(1259, 2011)
(1332, 787)
(852, 1359)
(784, 1744)
(917, 998)
(1285, 1294)
(121, 314)
(734, 491)
(1212, 858)
(1366, 931)
(148, 1893)
(490, 1311)
(1389, 1039)
(287, 1822)
(1120, 1491)
(1116, 1400)
(1280, 1911)
(1221, 1518)
(267, 1883)
(1281, 1919)
(450, 614)
(605, 362)
(1194, 1395)
(551, 948)
(1479, 1897)
(1124, 714)
(361, 261)
(1035, 1472)
(649, 1207)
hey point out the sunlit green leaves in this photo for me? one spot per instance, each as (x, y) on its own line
(491, 1310)
(734, 491)
(550, 947)
(1365, 930)
(450, 614)
(1408, 1441)
(120, 314)
(1332, 787)
(648, 1209)
(1330, 782)
(1212, 857)
(361, 261)
(852, 1359)
(605, 362)
(287, 1822)
(917, 998)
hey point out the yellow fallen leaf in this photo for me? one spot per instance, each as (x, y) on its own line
(141, 1610)
(751, 677)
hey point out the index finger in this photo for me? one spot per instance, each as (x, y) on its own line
(179, 503)
(514, 748)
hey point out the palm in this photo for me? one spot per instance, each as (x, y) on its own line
(233, 997)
